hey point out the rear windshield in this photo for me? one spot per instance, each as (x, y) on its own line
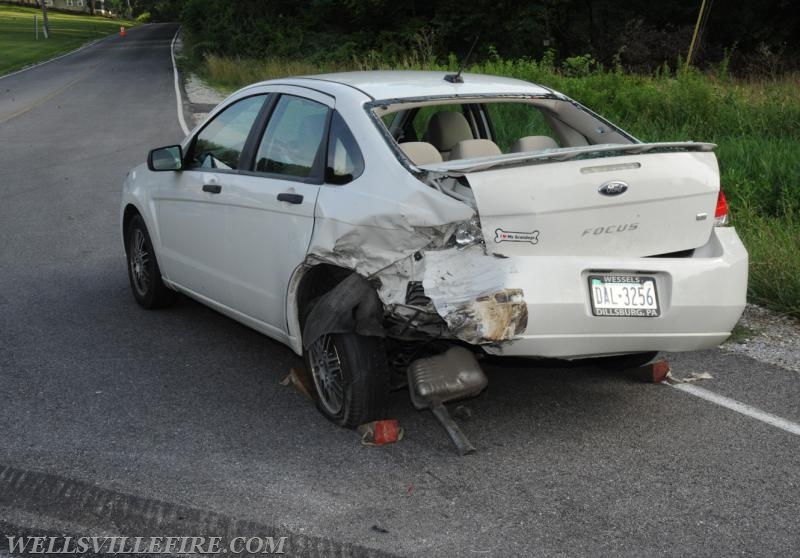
(490, 127)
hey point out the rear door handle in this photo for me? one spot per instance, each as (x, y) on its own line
(212, 188)
(291, 198)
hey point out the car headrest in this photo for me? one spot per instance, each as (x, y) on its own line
(421, 152)
(447, 128)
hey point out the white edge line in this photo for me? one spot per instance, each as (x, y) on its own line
(178, 99)
(739, 407)
(60, 56)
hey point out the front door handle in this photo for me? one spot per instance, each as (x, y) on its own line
(212, 188)
(291, 198)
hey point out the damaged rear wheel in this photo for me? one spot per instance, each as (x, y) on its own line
(350, 376)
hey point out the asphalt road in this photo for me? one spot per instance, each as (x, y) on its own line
(118, 420)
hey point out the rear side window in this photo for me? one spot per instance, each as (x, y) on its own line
(219, 145)
(345, 162)
(292, 142)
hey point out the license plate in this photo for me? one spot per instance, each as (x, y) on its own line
(624, 296)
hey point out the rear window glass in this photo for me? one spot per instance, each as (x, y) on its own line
(423, 117)
(512, 121)
(488, 127)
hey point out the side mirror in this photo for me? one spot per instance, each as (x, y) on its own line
(165, 159)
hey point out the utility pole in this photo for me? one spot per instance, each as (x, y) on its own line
(694, 35)
(45, 24)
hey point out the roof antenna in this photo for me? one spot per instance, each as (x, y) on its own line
(456, 78)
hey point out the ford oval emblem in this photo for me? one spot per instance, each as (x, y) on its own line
(613, 188)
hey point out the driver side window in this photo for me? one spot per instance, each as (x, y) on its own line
(219, 145)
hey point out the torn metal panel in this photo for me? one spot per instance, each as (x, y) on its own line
(373, 224)
(490, 318)
(397, 238)
(469, 290)
(369, 250)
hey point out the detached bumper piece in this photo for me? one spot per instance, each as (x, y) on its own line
(436, 380)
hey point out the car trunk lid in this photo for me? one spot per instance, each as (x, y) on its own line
(630, 201)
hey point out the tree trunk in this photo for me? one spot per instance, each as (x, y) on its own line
(91, 6)
(45, 23)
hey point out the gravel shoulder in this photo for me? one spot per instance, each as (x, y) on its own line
(200, 97)
(767, 336)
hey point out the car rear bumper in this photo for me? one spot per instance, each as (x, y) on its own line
(701, 298)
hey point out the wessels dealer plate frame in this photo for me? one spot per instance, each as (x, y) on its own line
(624, 296)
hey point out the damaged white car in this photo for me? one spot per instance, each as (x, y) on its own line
(373, 220)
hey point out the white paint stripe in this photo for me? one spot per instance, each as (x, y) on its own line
(739, 407)
(178, 99)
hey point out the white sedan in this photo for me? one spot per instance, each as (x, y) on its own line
(368, 219)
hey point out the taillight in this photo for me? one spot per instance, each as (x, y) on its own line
(721, 214)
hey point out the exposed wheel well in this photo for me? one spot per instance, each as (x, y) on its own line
(129, 213)
(316, 282)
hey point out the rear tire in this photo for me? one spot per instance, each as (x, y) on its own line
(350, 377)
(143, 271)
(624, 362)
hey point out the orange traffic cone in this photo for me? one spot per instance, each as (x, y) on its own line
(122, 31)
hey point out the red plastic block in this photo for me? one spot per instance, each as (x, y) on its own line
(386, 431)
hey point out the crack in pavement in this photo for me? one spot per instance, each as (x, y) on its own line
(100, 509)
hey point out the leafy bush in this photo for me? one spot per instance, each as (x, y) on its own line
(579, 66)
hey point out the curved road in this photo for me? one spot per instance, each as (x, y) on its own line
(117, 420)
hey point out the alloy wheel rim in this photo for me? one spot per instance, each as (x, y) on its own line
(139, 262)
(326, 369)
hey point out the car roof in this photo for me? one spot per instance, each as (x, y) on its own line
(409, 84)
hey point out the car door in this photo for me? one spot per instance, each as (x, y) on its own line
(272, 205)
(192, 208)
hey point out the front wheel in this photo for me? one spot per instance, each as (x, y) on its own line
(351, 377)
(143, 271)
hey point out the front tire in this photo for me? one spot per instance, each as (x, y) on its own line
(351, 377)
(143, 271)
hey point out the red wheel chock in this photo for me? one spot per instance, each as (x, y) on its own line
(655, 372)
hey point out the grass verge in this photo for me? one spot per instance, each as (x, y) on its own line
(19, 47)
(774, 246)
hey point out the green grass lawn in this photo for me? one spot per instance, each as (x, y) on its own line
(18, 44)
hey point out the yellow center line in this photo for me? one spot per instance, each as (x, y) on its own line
(30, 106)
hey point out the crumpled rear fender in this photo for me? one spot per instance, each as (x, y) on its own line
(351, 306)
